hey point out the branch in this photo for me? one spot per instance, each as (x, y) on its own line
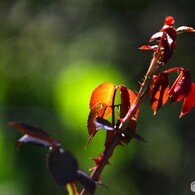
(144, 89)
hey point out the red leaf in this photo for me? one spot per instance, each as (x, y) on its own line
(183, 29)
(98, 110)
(148, 47)
(103, 94)
(127, 99)
(157, 35)
(133, 96)
(180, 87)
(169, 43)
(159, 91)
(189, 101)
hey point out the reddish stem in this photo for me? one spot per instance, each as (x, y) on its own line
(174, 69)
(131, 112)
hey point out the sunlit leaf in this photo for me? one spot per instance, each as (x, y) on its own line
(33, 135)
(155, 36)
(183, 29)
(180, 87)
(88, 183)
(62, 166)
(148, 47)
(103, 94)
(189, 101)
(97, 111)
(159, 91)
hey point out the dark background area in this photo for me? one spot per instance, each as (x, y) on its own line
(53, 54)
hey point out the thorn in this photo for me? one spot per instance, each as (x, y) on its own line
(140, 83)
(98, 160)
(93, 168)
(181, 114)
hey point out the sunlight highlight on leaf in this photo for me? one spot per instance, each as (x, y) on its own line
(104, 94)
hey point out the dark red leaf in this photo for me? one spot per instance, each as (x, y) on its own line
(157, 36)
(171, 36)
(159, 91)
(125, 96)
(127, 99)
(168, 43)
(189, 101)
(180, 87)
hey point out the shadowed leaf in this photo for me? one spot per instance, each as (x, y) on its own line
(62, 166)
(129, 133)
(33, 135)
(88, 183)
(101, 123)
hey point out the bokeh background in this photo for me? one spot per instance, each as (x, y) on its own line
(53, 54)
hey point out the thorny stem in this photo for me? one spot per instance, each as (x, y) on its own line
(146, 84)
(144, 89)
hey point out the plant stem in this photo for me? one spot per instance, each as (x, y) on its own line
(144, 89)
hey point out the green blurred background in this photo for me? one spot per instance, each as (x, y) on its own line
(53, 54)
